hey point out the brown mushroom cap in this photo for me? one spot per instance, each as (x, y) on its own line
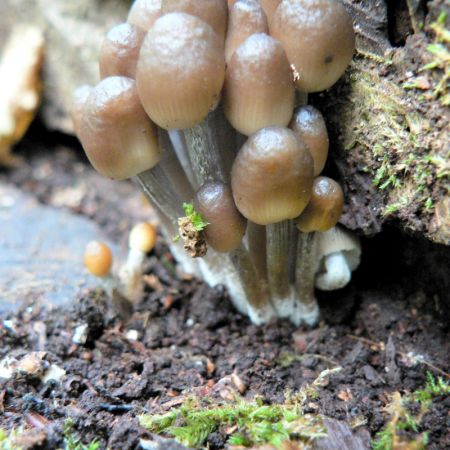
(246, 18)
(226, 228)
(259, 89)
(180, 71)
(79, 97)
(309, 125)
(325, 207)
(213, 12)
(318, 38)
(143, 13)
(120, 51)
(272, 176)
(118, 137)
(269, 7)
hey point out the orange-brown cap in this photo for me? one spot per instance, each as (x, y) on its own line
(309, 125)
(79, 98)
(180, 71)
(213, 12)
(272, 176)
(98, 258)
(118, 137)
(318, 38)
(325, 207)
(226, 228)
(120, 51)
(269, 7)
(143, 13)
(246, 18)
(259, 89)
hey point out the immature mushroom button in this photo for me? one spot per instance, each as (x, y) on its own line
(118, 137)
(120, 50)
(180, 71)
(226, 225)
(213, 12)
(318, 38)
(272, 176)
(340, 253)
(143, 13)
(246, 18)
(142, 237)
(259, 90)
(325, 207)
(309, 125)
(98, 259)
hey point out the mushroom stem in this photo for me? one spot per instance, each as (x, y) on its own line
(337, 272)
(308, 310)
(179, 144)
(207, 158)
(278, 243)
(259, 308)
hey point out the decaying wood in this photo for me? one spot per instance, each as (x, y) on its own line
(20, 86)
(388, 119)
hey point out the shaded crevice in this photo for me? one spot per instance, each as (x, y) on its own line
(400, 25)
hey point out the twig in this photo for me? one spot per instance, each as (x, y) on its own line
(381, 346)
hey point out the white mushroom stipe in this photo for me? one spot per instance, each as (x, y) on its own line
(337, 272)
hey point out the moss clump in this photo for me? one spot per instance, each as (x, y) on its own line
(246, 423)
(393, 436)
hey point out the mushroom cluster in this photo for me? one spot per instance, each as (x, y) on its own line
(203, 102)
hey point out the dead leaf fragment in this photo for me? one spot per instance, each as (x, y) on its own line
(20, 86)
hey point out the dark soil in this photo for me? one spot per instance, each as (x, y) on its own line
(386, 331)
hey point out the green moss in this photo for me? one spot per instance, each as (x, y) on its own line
(392, 435)
(72, 442)
(247, 423)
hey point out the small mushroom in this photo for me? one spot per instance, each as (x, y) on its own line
(143, 13)
(309, 125)
(98, 260)
(325, 207)
(118, 137)
(226, 226)
(141, 240)
(339, 253)
(180, 71)
(213, 12)
(246, 18)
(318, 38)
(272, 176)
(259, 90)
(120, 50)
(322, 213)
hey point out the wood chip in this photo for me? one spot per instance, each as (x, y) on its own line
(20, 86)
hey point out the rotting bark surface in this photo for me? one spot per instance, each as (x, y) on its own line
(191, 340)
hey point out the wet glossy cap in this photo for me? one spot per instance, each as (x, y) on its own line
(226, 228)
(120, 51)
(118, 137)
(272, 176)
(181, 70)
(318, 38)
(259, 89)
(246, 18)
(143, 13)
(309, 125)
(325, 207)
(213, 12)
(79, 98)
(98, 258)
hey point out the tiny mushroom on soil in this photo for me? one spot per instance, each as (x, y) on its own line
(184, 84)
